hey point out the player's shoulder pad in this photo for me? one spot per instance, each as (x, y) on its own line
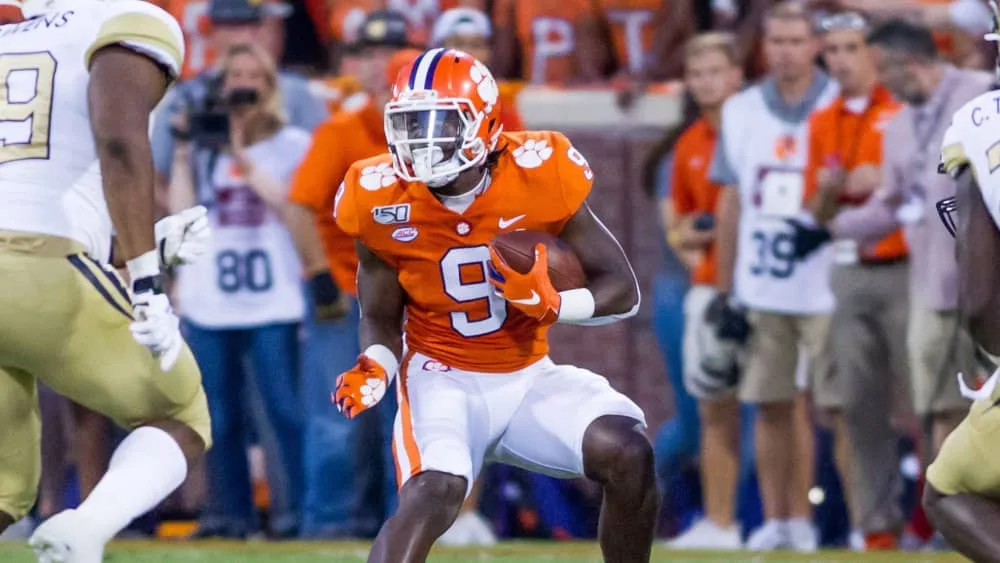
(372, 179)
(969, 129)
(531, 150)
(140, 26)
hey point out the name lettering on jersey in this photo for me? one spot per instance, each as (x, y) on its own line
(405, 234)
(980, 115)
(391, 214)
(45, 21)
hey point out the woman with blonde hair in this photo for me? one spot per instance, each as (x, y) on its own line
(242, 306)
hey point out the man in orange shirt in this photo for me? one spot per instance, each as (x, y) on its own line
(712, 75)
(870, 283)
(330, 262)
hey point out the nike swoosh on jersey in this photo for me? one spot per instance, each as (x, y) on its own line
(533, 300)
(504, 223)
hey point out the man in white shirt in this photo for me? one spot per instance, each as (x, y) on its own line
(761, 158)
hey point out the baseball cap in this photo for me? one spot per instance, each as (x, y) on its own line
(460, 21)
(382, 28)
(246, 11)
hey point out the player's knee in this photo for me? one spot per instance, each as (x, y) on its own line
(436, 491)
(931, 501)
(626, 457)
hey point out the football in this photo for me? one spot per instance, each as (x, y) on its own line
(517, 248)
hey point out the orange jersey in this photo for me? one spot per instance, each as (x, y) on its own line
(348, 15)
(345, 138)
(633, 24)
(546, 30)
(690, 189)
(192, 15)
(841, 137)
(452, 312)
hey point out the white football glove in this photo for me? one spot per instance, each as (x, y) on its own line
(157, 327)
(154, 324)
(183, 237)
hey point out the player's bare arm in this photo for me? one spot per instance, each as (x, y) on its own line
(381, 334)
(978, 252)
(381, 298)
(125, 87)
(609, 275)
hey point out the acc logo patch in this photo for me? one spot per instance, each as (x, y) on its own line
(404, 234)
(391, 214)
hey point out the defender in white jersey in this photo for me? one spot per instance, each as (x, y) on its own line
(78, 80)
(761, 158)
(963, 483)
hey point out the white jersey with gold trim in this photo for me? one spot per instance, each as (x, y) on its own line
(50, 181)
(973, 139)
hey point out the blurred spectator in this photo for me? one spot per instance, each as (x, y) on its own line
(760, 158)
(345, 460)
(193, 16)
(469, 30)
(910, 65)
(246, 302)
(869, 322)
(958, 25)
(711, 76)
(233, 22)
(548, 41)
(348, 16)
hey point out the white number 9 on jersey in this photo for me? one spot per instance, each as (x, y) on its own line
(26, 84)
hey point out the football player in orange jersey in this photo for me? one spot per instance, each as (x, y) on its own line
(475, 383)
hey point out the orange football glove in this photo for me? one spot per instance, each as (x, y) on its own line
(532, 293)
(360, 387)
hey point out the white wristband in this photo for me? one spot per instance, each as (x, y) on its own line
(144, 266)
(384, 357)
(577, 305)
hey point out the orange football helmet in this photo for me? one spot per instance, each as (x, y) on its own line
(444, 117)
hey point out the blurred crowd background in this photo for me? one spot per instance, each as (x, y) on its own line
(279, 98)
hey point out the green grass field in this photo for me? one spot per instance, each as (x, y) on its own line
(255, 552)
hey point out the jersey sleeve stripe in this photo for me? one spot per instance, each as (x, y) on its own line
(953, 156)
(143, 32)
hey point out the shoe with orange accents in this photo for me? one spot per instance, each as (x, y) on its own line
(531, 293)
(881, 541)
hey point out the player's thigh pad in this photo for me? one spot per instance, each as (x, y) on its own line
(771, 358)
(969, 460)
(546, 432)
(99, 365)
(433, 430)
(20, 442)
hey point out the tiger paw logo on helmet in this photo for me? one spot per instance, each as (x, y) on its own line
(532, 153)
(486, 85)
(377, 177)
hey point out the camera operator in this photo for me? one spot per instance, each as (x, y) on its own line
(245, 303)
(233, 22)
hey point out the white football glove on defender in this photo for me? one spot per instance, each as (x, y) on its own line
(155, 325)
(183, 237)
